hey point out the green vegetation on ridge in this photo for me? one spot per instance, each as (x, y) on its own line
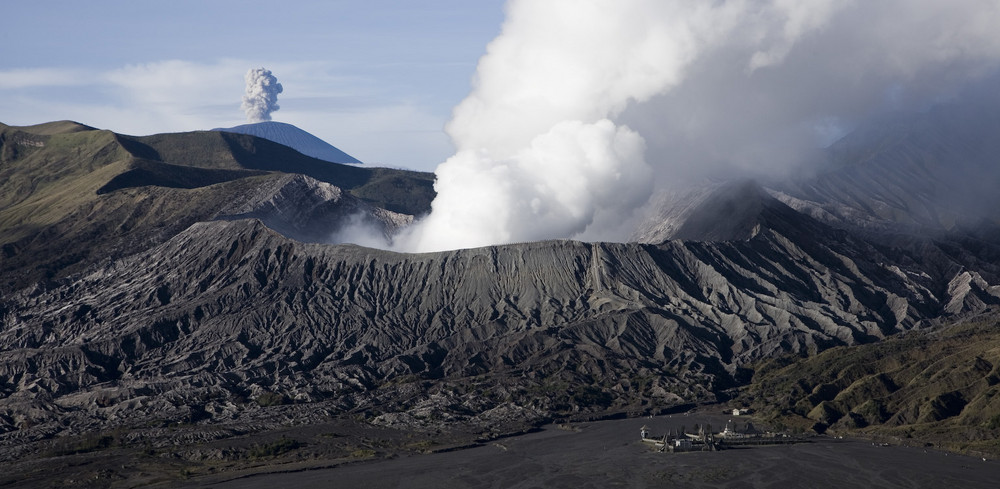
(939, 387)
(63, 183)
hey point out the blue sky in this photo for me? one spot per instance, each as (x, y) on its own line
(376, 78)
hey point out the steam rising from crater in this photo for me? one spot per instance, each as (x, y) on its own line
(580, 107)
(261, 95)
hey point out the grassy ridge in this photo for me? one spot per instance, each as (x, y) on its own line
(45, 178)
(402, 191)
(72, 195)
(940, 388)
(55, 127)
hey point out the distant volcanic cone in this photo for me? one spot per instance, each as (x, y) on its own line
(295, 138)
(259, 100)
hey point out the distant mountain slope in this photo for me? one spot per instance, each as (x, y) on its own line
(402, 191)
(71, 196)
(937, 171)
(913, 174)
(295, 138)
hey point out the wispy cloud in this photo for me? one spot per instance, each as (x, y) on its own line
(21, 78)
(355, 111)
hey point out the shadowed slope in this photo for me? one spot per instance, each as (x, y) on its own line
(401, 191)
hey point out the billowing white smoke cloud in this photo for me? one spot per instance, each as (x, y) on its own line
(793, 76)
(579, 105)
(538, 154)
(261, 95)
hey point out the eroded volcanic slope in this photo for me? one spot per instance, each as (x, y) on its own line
(228, 311)
(179, 280)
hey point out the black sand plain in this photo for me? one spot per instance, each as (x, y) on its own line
(609, 454)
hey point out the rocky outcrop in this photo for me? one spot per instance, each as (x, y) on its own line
(308, 210)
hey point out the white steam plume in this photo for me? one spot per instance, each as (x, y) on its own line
(261, 95)
(580, 105)
(538, 154)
